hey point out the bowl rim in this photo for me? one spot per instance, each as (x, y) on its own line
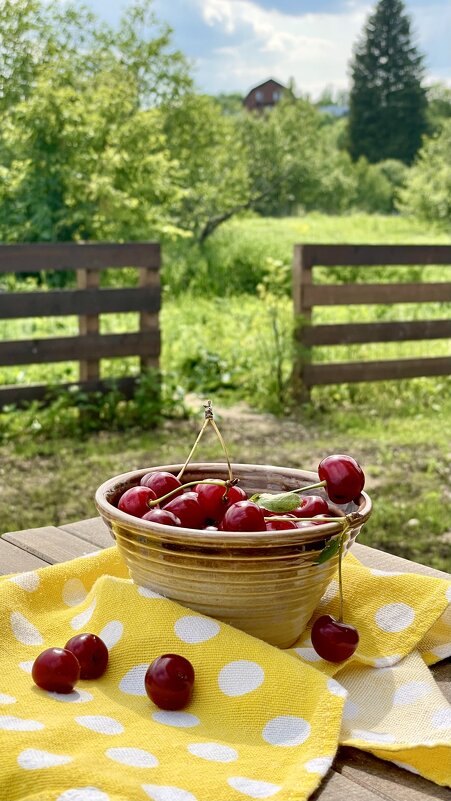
(316, 531)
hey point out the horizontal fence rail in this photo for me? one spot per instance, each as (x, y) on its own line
(307, 295)
(86, 302)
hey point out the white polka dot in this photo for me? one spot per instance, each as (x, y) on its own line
(161, 792)
(442, 718)
(318, 765)
(74, 592)
(147, 593)
(134, 757)
(83, 794)
(372, 736)
(351, 710)
(309, 654)
(133, 681)
(24, 630)
(34, 759)
(75, 697)
(442, 651)
(10, 723)
(386, 661)
(240, 677)
(332, 589)
(286, 730)
(410, 692)
(101, 724)
(253, 788)
(84, 617)
(194, 629)
(394, 617)
(336, 689)
(376, 572)
(27, 581)
(405, 766)
(182, 720)
(111, 633)
(27, 667)
(448, 593)
(213, 752)
(7, 699)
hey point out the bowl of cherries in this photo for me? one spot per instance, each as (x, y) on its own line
(252, 545)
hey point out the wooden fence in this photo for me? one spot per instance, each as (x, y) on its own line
(88, 301)
(307, 295)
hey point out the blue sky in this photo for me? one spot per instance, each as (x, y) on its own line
(235, 44)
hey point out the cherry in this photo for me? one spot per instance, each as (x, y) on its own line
(243, 516)
(310, 506)
(92, 654)
(334, 640)
(280, 525)
(169, 681)
(135, 500)
(161, 482)
(162, 516)
(343, 476)
(215, 500)
(188, 509)
(56, 670)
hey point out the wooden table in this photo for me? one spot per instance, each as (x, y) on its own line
(355, 776)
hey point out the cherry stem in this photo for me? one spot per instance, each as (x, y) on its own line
(224, 447)
(322, 518)
(209, 420)
(191, 453)
(340, 559)
(310, 487)
(219, 481)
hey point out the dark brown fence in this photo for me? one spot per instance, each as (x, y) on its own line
(307, 295)
(88, 301)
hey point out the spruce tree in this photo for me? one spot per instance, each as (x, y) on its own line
(387, 115)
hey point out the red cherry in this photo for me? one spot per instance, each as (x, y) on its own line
(161, 482)
(92, 654)
(213, 501)
(333, 640)
(343, 476)
(243, 516)
(56, 670)
(135, 500)
(310, 506)
(280, 525)
(188, 509)
(169, 681)
(162, 516)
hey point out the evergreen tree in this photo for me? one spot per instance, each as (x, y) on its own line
(387, 116)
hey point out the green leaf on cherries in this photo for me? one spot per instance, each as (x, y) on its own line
(332, 548)
(282, 502)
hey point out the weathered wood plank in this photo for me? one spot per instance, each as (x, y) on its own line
(50, 543)
(97, 346)
(16, 560)
(343, 372)
(356, 333)
(63, 302)
(367, 255)
(23, 394)
(356, 294)
(36, 257)
(336, 787)
(93, 530)
(385, 779)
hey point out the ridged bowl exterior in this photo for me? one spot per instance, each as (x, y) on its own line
(265, 583)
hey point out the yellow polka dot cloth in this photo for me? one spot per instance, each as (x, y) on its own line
(262, 723)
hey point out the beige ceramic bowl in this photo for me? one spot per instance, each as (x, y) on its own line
(265, 583)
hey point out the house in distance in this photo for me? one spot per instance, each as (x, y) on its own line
(265, 95)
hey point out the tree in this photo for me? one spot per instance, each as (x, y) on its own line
(439, 106)
(428, 187)
(387, 116)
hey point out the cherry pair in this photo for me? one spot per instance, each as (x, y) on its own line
(85, 656)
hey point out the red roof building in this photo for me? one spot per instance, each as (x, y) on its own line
(265, 95)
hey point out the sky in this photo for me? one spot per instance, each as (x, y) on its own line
(235, 44)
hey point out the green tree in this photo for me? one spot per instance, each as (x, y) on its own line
(439, 105)
(387, 116)
(428, 187)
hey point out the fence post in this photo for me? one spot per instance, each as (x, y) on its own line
(148, 321)
(302, 277)
(88, 324)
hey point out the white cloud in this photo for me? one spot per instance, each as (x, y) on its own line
(314, 49)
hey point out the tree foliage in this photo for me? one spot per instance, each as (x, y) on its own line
(428, 188)
(387, 103)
